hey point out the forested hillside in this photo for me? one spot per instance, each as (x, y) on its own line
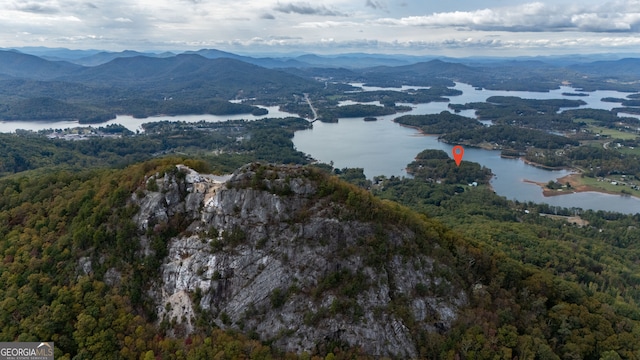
(589, 267)
(115, 146)
(75, 271)
(123, 245)
(202, 82)
(141, 86)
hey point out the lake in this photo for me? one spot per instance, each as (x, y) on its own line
(385, 148)
(134, 124)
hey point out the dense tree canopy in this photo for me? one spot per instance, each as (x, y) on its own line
(509, 137)
(442, 123)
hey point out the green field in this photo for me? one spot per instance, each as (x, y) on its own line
(630, 151)
(607, 186)
(612, 133)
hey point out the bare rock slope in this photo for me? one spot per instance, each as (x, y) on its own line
(298, 258)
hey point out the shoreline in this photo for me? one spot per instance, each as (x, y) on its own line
(574, 178)
(538, 165)
(577, 186)
(483, 145)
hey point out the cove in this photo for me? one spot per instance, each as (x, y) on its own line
(385, 148)
(135, 124)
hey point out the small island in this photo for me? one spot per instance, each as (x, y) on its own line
(435, 166)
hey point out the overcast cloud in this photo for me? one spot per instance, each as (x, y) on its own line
(306, 9)
(457, 28)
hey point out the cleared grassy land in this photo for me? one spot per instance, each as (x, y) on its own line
(630, 151)
(608, 187)
(612, 133)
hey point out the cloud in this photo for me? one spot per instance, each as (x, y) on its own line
(36, 7)
(471, 45)
(534, 16)
(286, 37)
(599, 23)
(306, 9)
(569, 26)
(375, 4)
(462, 46)
(326, 24)
(279, 41)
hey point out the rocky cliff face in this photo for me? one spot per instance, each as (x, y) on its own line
(271, 252)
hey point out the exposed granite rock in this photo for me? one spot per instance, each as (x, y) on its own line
(263, 252)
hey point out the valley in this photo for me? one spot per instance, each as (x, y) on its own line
(181, 206)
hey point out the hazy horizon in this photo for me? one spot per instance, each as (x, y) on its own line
(457, 29)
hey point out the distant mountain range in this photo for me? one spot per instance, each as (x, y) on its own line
(106, 83)
(346, 60)
(16, 64)
(121, 68)
(137, 85)
(622, 67)
(94, 58)
(434, 72)
(104, 57)
(164, 76)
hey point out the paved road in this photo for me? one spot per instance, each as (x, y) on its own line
(315, 113)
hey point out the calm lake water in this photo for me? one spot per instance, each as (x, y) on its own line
(385, 148)
(134, 124)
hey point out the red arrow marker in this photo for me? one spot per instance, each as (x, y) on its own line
(458, 153)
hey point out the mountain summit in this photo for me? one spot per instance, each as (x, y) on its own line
(272, 251)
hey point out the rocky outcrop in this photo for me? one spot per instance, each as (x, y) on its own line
(269, 252)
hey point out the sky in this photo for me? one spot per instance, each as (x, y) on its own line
(415, 27)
